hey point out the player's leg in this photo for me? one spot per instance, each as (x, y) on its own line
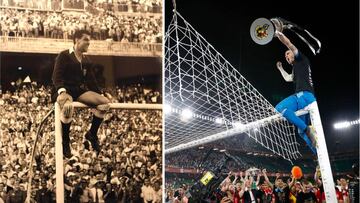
(101, 105)
(287, 108)
(66, 115)
(304, 99)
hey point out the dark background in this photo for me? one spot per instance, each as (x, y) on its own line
(335, 71)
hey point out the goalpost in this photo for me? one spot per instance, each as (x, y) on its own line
(207, 99)
(58, 139)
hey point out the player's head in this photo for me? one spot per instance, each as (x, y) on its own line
(264, 186)
(146, 182)
(308, 187)
(289, 56)
(279, 183)
(81, 40)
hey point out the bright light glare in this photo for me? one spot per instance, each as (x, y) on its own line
(167, 108)
(345, 124)
(218, 120)
(238, 125)
(186, 114)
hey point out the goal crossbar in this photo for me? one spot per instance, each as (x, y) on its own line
(58, 139)
(231, 132)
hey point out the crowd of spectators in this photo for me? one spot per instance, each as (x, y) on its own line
(128, 168)
(130, 6)
(142, 6)
(135, 93)
(62, 25)
(277, 188)
(246, 187)
(239, 159)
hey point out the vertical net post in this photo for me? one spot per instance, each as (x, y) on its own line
(59, 157)
(322, 153)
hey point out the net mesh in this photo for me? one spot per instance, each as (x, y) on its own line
(205, 95)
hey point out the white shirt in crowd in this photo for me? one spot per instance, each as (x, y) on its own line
(100, 194)
(148, 193)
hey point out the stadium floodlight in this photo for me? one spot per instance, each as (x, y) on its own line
(167, 108)
(346, 124)
(343, 124)
(218, 120)
(186, 114)
(238, 125)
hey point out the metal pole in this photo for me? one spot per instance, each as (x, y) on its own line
(322, 153)
(123, 106)
(59, 157)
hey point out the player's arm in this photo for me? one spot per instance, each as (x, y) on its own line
(58, 76)
(258, 178)
(316, 176)
(241, 192)
(287, 77)
(235, 179)
(292, 182)
(267, 179)
(283, 39)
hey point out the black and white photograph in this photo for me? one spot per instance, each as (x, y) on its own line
(81, 101)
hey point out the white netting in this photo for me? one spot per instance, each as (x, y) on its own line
(219, 101)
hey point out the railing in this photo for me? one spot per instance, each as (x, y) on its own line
(138, 8)
(58, 140)
(61, 6)
(97, 47)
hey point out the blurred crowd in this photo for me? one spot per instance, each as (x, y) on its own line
(248, 181)
(142, 6)
(128, 168)
(240, 159)
(257, 187)
(102, 25)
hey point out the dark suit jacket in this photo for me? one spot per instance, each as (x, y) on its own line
(72, 75)
(247, 197)
(44, 196)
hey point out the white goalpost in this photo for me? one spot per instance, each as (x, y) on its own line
(207, 99)
(58, 139)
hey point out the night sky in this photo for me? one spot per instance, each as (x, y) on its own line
(335, 71)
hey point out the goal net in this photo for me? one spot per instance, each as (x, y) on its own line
(207, 99)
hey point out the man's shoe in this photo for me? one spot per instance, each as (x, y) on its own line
(93, 139)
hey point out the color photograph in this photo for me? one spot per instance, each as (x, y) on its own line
(261, 101)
